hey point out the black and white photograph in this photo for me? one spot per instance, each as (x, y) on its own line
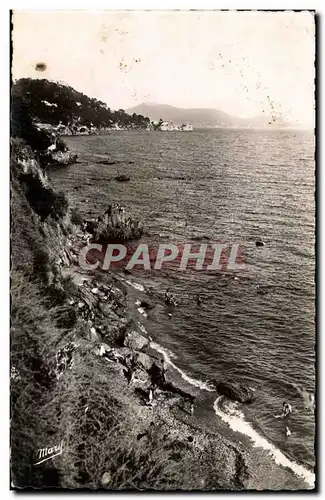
(162, 250)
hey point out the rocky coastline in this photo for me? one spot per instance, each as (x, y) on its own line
(126, 417)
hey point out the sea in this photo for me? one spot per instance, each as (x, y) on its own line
(256, 325)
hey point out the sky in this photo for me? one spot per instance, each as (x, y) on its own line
(244, 63)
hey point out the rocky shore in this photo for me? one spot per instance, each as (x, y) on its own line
(93, 378)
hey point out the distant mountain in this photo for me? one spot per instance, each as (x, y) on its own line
(201, 117)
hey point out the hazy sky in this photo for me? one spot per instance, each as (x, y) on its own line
(244, 63)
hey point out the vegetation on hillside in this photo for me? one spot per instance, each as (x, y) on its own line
(55, 103)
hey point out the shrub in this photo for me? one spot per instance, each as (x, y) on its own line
(76, 217)
(22, 125)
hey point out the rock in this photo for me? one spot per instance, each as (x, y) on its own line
(90, 225)
(104, 349)
(142, 434)
(62, 157)
(93, 334)
(135, 340)
(106, 162)
(144, 361)
(140, 380)
(236, 391)
(14, 374)
(146, 304)
(114, 225)
(64, 358)
(157, 374)
(106, 479)
(122, 178)
(125, 353)
(259, 243)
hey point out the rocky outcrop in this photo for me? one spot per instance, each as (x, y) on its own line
(114, 225)
(61, 157)
(134, 340)
(236, 391)
(122, 178)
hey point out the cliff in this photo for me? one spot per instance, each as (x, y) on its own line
(94, 401)
(82, 367)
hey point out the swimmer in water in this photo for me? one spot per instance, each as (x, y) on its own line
(169, 298)
(286, 409)
(198, 300)
(288, 431)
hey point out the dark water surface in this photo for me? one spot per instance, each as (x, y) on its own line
(235, 186)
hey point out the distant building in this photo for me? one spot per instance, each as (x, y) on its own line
(63, 129)
(170, 126)
(187, 128)
(83, 130)
(49, 104)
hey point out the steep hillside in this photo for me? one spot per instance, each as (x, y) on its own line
(54, 103)
(82, 367)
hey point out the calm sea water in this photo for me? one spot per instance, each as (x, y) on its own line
(236, 186)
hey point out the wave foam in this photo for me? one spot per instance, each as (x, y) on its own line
(236, 421)
(167, 357)
(142, 311)
(137, 286)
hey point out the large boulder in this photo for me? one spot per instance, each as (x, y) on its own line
(146, 304)
(122, 178)
(141, 380)
(63, 157)
(134, 340)
(106, 479)
(144, 361)
(236, 391)
(115, 225)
